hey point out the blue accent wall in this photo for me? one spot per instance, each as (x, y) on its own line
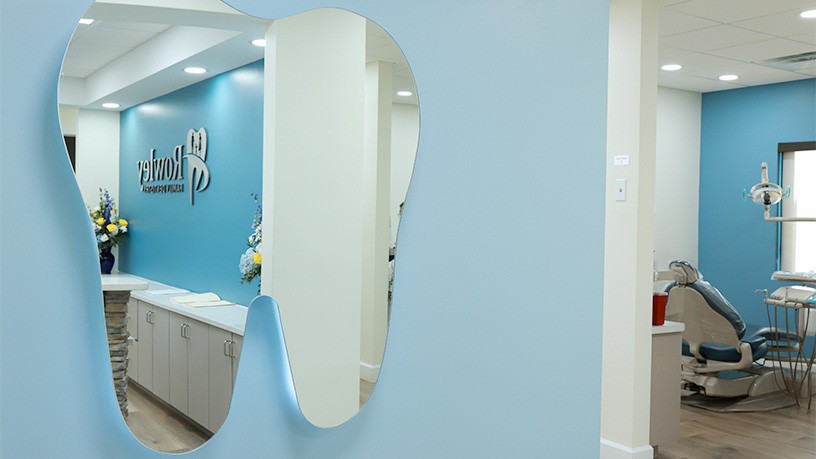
(196, 247)
(485, 254)
(741, 128)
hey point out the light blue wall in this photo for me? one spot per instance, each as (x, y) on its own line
(493, 261)
(741, 128)
(196, 247)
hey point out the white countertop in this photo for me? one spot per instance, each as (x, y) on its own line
(230, 318)
(122, 282)
(668, 327)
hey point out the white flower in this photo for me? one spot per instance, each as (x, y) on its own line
(104, 238)
(97, 209)
(123, 229)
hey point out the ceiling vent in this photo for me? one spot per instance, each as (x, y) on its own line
(793, 63)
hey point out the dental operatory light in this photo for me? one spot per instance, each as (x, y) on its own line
(110, 105)
(195, 70)
(671, 67)
(404, 93)
(809, 14)
(89, 21)
(259, 42)
(729, 77)
(766, 194)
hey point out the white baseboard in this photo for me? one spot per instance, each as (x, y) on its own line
(369, 372)
(612, 450)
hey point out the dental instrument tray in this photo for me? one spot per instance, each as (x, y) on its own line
(807, 278)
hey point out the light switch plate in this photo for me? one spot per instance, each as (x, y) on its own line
(620, 190)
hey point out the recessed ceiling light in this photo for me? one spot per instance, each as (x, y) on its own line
(195, 70)
(87, 21)
(259, 42)
(671, 67)
(728, 77)
(405, 93)
(809, 14)
(110, 105)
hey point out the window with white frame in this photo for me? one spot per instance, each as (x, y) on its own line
(798, 239)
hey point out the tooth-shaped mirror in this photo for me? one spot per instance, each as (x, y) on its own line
(188, 137)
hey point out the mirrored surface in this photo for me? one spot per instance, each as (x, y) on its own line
(165, 111)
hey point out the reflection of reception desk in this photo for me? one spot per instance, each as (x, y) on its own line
(187, 357)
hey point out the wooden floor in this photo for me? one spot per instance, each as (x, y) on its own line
(788, 433)
(159, 427)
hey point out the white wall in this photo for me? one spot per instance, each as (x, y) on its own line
(404, 138)
(68, 120)
(677, 175)
(313, 203)
(97, 154)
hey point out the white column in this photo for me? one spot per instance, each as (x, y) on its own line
(97, 154)
(313, 203)
(629, 236)
(376, 235)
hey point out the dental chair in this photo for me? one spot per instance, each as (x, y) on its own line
(720, 351)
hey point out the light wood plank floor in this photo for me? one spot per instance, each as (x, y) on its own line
(162, 429)
(159, 427)
(788, 433)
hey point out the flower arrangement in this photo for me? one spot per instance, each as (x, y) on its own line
(250, 264)
(108, 227)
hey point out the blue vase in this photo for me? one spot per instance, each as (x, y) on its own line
(106, 261)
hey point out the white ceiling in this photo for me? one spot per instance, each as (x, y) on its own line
(134, 51)
(131, 54)
(710, 38)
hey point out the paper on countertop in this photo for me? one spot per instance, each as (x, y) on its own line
(201, 300)
(166, 291)
(206, 304)
(196, 298)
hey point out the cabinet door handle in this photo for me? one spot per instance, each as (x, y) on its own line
(181, 330)
(148, 316)
(187, 331)
(232, 349)
(226, 347)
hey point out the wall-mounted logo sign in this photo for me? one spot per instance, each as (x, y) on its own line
(170, 168)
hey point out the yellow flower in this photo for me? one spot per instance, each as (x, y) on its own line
(122, 222)
(111, 228)
(256, 258)
(100, 221)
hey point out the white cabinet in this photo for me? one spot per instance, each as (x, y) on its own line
(185, 357)
(189, 367)
(153, 348)
(225, 347)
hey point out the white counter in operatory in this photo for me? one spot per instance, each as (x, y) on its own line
(230, 318)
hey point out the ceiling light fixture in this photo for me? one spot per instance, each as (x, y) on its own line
(671, 67)
(809, 14)
(259, 42)
(110, 105)
(195, 70)
(404, 93)
(87, 21)
(728, 77)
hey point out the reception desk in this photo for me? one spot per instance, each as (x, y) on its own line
(187, 357)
